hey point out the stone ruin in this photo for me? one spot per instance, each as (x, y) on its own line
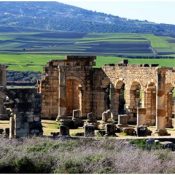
(110, 98)
(134, 94)
(21, 106)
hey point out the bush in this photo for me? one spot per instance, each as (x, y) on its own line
(44, 155)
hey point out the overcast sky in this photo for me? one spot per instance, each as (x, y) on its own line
(160, 11)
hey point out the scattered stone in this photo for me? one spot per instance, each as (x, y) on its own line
(150, 141)
(76, 114)
(143, 131)
(7, 131)
(67, 122)
(167, 145)
(64, 130)
(123, 120)
(162, 132)
(110, 129)
(129, 131)
(54, 134)
(107, 116)
(1, 131)
(91, 118)
(89, 130)
(156, 141)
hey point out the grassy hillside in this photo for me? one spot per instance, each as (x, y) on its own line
(36, 62)
(109, 44)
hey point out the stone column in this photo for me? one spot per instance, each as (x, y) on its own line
(12, 127)
(61, 94)
(160, 103)
(150, 106)
(141, 113)
(89, 130)
(169, 105)
(114, 102)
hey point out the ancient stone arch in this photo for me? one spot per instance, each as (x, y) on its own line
(142, 89)
(74, 94)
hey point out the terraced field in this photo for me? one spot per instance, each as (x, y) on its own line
(110, 44)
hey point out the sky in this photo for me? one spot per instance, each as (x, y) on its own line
(159, 11)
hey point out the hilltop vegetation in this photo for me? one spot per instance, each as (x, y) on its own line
(54, 16)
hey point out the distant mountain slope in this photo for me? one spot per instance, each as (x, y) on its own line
(53, 16)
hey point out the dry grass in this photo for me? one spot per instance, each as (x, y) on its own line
(4, 124)
(43, 155)
(49, 126)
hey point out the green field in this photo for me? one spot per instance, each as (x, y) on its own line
(31, 51)
(108, 44)
(36, 62)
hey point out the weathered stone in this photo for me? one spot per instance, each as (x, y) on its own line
(167, 145)
(142, 131)
(162, 132)
(123, 120)
(129, 131)
(76, 114)
(110, 129)
(89, 130)
(67, 122)
(55, 134)
(64, 130)
(78, 122)
(12, 127)
(6, 132)
(107, 116)
(1, 131)
(23, 110)
(91, 118)
(74, 83)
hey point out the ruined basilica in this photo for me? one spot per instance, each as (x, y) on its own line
(143, 93)
(73, 90)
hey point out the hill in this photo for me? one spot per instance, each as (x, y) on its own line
(25, 16)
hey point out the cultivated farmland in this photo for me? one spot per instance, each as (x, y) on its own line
(109, 44)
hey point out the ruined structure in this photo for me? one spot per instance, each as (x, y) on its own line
(24, 108)
(2, 90)
(143, 92)
(20, 105)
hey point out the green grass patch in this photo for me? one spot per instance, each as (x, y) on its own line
(36, 62)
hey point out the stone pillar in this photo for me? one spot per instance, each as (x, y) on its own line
(114, 102)
(169, 107)
(89, 130)
(110, 129)
(150, 106)
(91, 118)
(141, 116)
(123, 120)
(127, 96)
(107, 116)
(12, 127)
(64, 130)
(61, 94)
(76, 114)
(160, 103)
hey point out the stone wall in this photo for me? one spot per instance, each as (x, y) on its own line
(122, 88)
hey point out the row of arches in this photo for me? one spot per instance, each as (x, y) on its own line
(116, 98)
